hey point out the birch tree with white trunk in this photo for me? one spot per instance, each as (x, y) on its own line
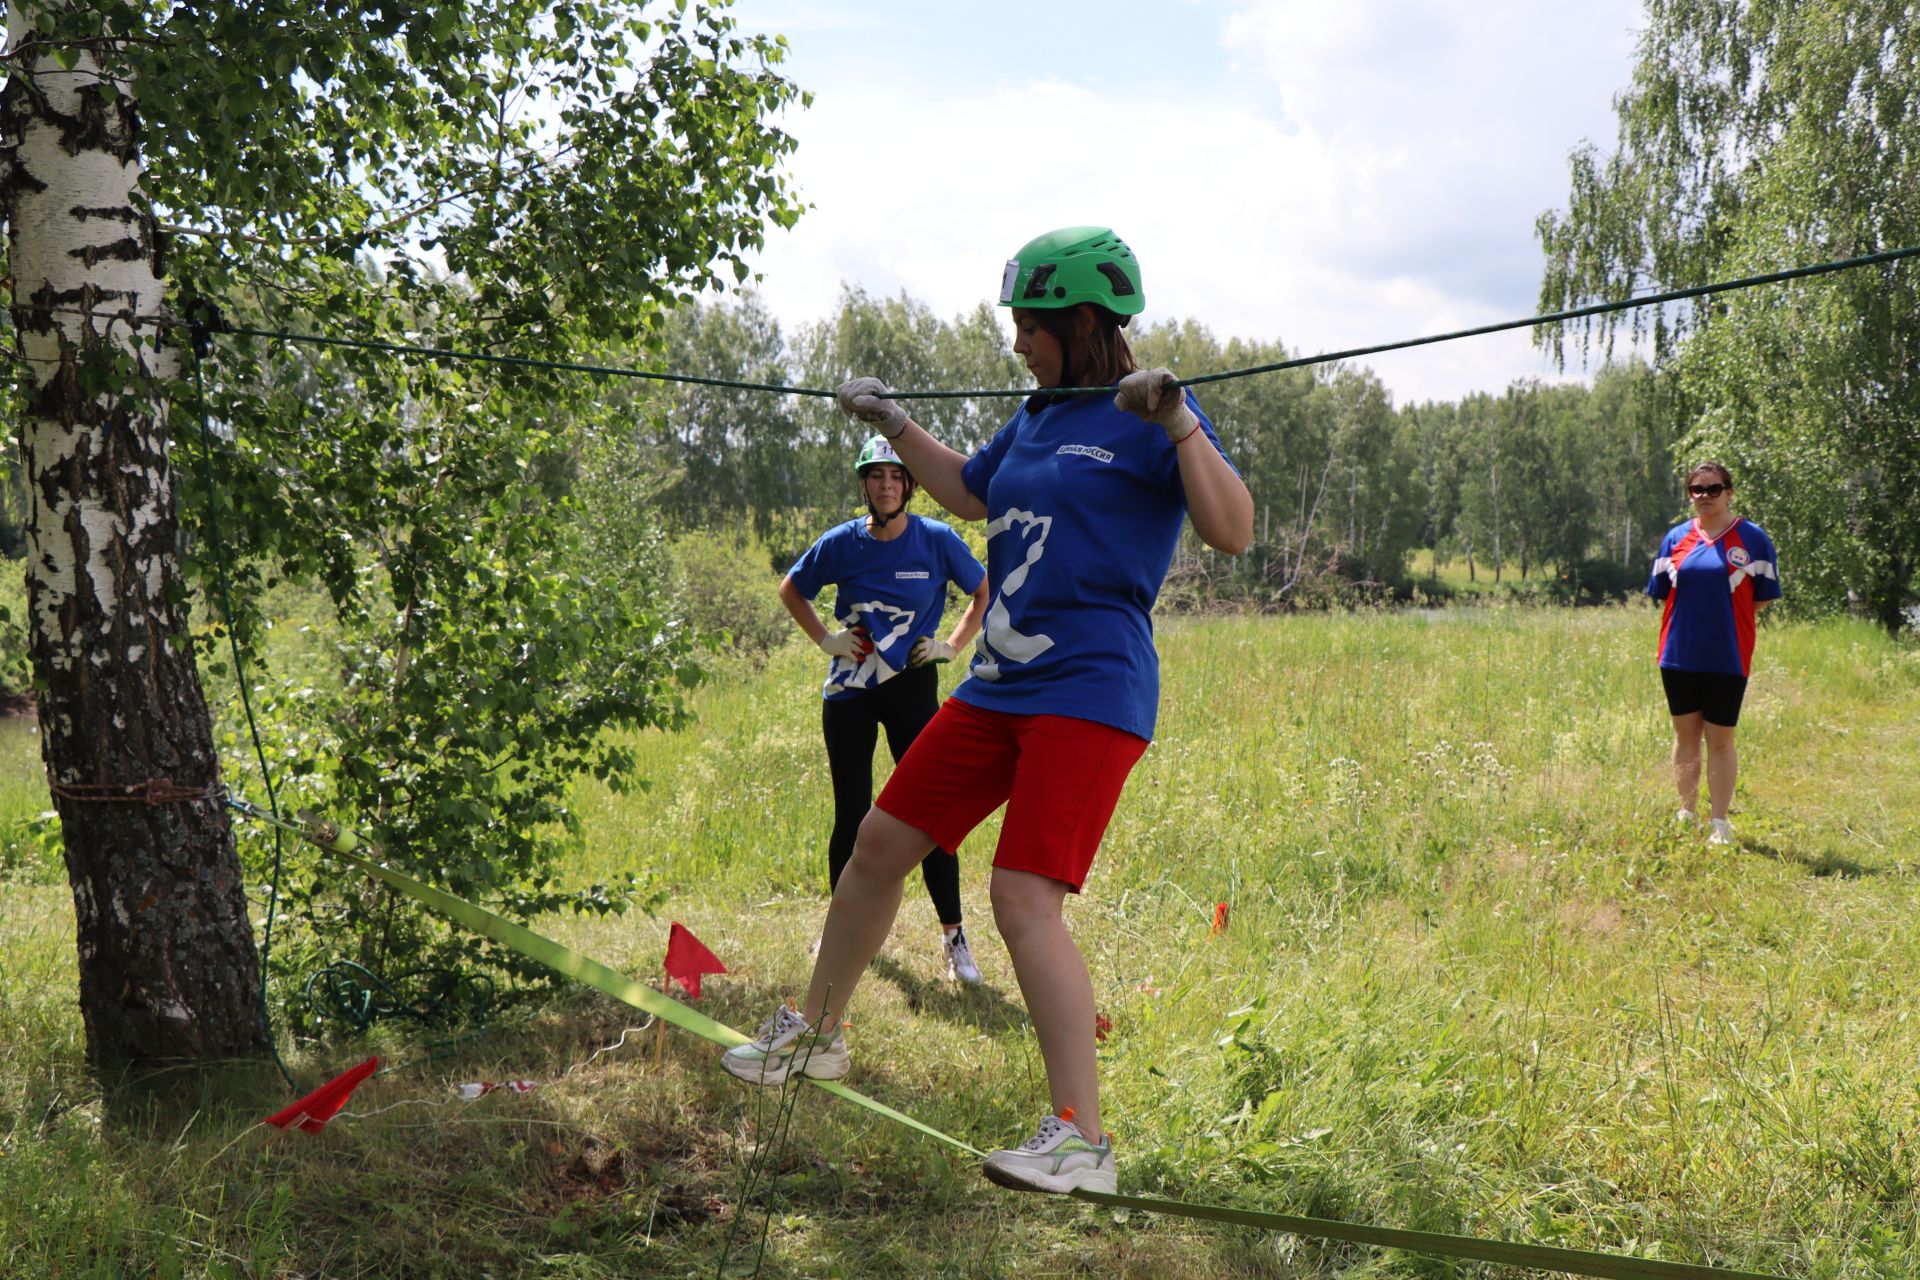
(167, 964)
(528, 177)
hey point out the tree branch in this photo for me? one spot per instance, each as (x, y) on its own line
(36, 42)
(398, 218)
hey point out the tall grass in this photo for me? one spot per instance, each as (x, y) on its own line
(1474, 979)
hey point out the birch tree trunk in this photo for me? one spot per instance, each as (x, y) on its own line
(167, 964)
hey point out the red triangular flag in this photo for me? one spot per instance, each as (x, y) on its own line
(312, 1112)
(688, 958)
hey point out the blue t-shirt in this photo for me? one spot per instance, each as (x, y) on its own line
(896, 589)
(1084, 505)
(1711, 586)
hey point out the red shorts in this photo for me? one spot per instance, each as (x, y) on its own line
(1060, 778)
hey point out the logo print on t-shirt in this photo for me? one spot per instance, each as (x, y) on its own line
(1738, 557)
(998, 639)
(873, 669)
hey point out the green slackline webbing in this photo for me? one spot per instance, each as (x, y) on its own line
(1552, 317)
(1539, 1257)
(570, 963)
(564, 960)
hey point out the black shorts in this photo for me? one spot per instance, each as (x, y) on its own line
(1715, 694)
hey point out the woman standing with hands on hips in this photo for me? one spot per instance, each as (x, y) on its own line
(891, 571)
(1084, 496)
(1715, 572)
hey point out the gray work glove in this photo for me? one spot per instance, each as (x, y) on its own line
(928, 650)
(866, 399)
(851, 644)
(1151, 394)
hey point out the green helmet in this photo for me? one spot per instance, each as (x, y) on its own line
(1073, 265)
(878, 449)
(875, 451)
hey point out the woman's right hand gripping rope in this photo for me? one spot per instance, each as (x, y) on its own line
(866, 399)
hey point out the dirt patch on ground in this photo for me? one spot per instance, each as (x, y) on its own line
(1592, 919)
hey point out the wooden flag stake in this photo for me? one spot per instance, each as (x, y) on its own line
(659, 1023)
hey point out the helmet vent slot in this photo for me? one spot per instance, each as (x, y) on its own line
(1122, 287)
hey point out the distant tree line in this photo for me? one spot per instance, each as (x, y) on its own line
(1574, 479)
(1755, 137)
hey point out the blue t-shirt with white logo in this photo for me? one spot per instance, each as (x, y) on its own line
(1084, 505)
(896, 590)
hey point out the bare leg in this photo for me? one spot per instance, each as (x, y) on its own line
(1059, 993)
(1723, 765)
(864, 904)
(1686, 757)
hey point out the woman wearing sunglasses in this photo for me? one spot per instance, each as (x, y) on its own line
(1715, 573)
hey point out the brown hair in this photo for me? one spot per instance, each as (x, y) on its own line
(1726, 476)
(1099, 359)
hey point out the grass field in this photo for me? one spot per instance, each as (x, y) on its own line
(1474, 980)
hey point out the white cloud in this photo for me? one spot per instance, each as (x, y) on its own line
(1330, 176)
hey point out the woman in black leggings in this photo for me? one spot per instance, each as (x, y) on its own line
(890, 572)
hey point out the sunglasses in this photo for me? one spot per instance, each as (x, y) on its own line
(1706, 490)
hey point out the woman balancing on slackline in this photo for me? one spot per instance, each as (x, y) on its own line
(1083, 498)
(1716, 572)
(890, 571)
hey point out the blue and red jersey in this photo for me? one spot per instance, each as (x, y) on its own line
(1711, 586)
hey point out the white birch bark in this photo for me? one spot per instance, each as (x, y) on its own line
(167, 963)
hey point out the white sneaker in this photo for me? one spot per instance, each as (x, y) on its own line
(960, 958)
(1722, 832)
(787, 1046)
(1058, 1158)
(1685, 816)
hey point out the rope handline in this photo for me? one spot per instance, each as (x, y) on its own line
(200, 345)
(621, 371)
(526, 362)
(1573, 313)
(346, 845)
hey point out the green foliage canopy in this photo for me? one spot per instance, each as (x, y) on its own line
(1759, 134)
(532, 177)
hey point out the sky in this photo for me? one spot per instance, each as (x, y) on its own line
(1327, 175)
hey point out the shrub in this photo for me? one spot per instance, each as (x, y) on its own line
(724, 585)
(1597, 582)
(16, 672)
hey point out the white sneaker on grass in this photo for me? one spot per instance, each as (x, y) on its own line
(960, 958)
(1722, 832)
(786, 1046)
(1058, 1158)
(1686, 816)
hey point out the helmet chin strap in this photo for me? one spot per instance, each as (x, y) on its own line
(887, 518)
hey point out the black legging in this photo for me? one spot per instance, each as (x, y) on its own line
(851, 726)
